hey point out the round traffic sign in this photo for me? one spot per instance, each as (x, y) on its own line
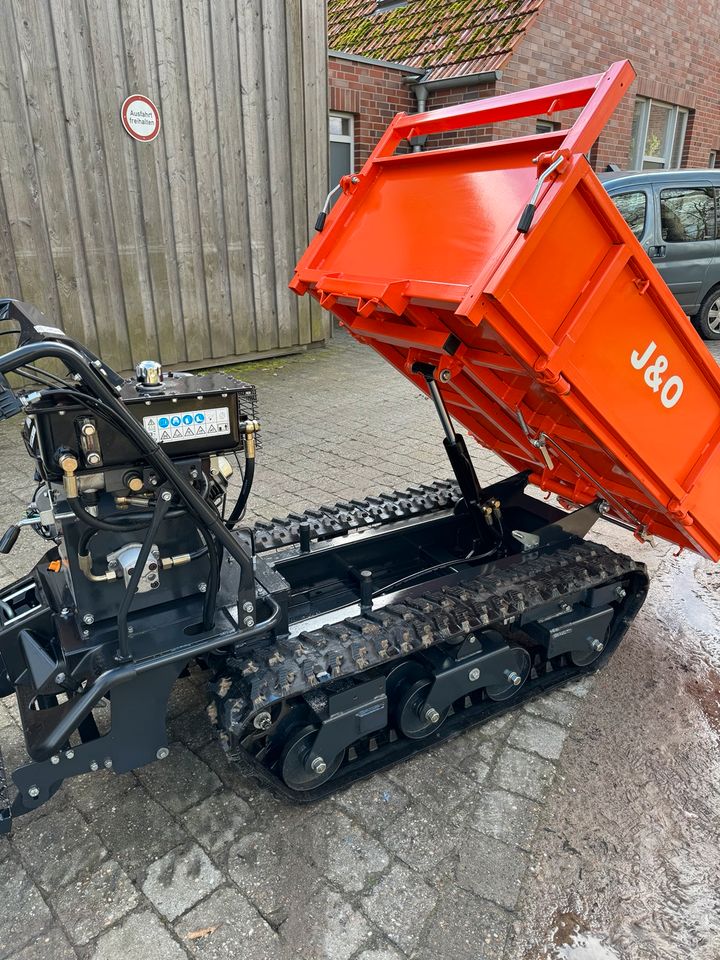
(140, 117)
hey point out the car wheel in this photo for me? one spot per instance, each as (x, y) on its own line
(708, 319)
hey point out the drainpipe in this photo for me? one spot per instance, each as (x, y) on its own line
(422, 88)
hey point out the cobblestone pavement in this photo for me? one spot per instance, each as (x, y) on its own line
(186, 858)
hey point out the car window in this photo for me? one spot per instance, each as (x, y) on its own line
(687, 214)
(633, 207)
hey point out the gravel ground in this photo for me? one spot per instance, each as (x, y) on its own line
(590, 816)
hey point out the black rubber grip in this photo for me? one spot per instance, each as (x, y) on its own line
(320, 222)
(526, 218)
(9, 539)
(9, 403)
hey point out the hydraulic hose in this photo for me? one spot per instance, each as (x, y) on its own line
(162, 507)
(244, 494)
(213, 584)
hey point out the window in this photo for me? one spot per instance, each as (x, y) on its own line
(546, 126)
(633, 207)
(341, 147)
(687, 214)
(658, 135)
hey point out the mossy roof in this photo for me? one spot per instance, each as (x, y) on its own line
(447, 37)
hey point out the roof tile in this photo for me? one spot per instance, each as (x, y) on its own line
(449, 39)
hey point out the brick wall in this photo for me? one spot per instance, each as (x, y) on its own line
(673, 47)
(374, 94)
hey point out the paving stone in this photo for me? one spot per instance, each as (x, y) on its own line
(56, 848)
(497, 726)
(464, 928)
(51, 945)
(430, 779)
(238, 932)
(273, 874)
(580, 688)
(384, 953)
(505, 816)
(329, 928)
(399, 905)
(179, 880)
(141, 936)
(219, 821)
(344, 852)
(490, 869)
(538, 736)
(375, 802)
(23, 913)
(180, 781)
(99, 790)
(523, 773)
(422, 839)
(95, 901)
(137, 830)
(559, 706)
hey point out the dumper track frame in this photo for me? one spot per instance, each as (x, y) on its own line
(286, 691)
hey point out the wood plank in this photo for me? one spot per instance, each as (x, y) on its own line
(21, 184)
(296, 106)
(151, 172)
(204, 131)
(279, 167)
(88, 162)
(252, 90)
(314, 31)
(177, 135)
(9, 277)
(119, 149)
(231, 153)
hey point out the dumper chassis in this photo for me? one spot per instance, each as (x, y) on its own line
(341, 641)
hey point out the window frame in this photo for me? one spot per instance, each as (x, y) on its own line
(648, 200)
(712, 234)
(679, 117)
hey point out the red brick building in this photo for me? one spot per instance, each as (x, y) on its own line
(388, 56)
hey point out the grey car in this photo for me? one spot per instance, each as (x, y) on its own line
(675, 214)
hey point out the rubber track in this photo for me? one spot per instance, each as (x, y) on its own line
(343, 517)
(498, 598)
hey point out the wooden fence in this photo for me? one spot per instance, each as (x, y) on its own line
(180, 248)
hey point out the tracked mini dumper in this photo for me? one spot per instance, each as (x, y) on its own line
(498, 278)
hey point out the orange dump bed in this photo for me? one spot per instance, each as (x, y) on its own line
(557, 345)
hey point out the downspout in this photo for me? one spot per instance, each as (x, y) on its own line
(422, 88)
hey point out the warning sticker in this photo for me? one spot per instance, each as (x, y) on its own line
(190, 425)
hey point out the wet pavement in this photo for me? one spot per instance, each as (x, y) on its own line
(584, 826)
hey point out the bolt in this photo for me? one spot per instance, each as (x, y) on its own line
(33, 792)
(474, 675)
(262, 721)
(166, 496)
(514, 678)
(107, 763)
(88, 619)
(318, 765)
(202, 587)
(86, 633)
(93, 459)
(65, 612)
(163, 753)
(620, 593)
(69, 754)
(60, 677)
(249, 622)
(130, 629)
(248, 607)
(55, 759)
(431, 715)
(94, 766)
(445, 375)
(597, 646)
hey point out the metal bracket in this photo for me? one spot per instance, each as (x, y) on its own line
(354, 713)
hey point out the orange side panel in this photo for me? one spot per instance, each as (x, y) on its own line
(563, 335)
